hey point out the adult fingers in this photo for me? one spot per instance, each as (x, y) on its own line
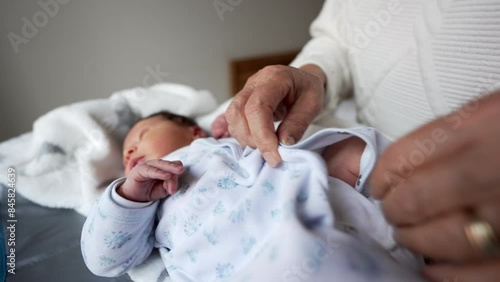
(401, 160)
(268, 99)
(468, 127)
(301, 114)
(271, 94)
(444, 238)
(235, 116)
(448, 184)
(485, 271)
(259, 112)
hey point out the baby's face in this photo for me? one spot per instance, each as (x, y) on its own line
(154, 138)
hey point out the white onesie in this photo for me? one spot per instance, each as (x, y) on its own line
(235, 218)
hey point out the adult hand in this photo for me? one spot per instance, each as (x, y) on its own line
(435, 180)
(295, 96)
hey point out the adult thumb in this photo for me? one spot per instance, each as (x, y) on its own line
(292, 129)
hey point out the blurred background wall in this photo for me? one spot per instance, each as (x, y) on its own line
(55, 52)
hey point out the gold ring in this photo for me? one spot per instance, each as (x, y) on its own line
(481, 235)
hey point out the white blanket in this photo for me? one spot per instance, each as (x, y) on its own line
(74, 151)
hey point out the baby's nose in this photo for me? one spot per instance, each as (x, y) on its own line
(129, 152)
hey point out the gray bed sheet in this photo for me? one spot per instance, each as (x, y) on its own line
(48, 244)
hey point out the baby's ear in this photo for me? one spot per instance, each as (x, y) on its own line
(197, 131)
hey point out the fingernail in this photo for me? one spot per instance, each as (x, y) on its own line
(271, 158)
(289, 141)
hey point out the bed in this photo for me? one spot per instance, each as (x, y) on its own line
(49, 222)
(48, 244)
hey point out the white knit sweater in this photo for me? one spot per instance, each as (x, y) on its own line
(407, 61)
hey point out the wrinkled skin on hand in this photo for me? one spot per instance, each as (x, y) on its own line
(433, 181)
(295, 96)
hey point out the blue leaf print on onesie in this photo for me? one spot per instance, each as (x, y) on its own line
(212, 237)
(90, 229)
(191, 225)
(117, 239)
(273, 253)
(101, 213)
(239, 215)
(227, 182)
(219, 208)
(192, 255)
(268, 187)
(105, 261)
(275, 213)
(294, 173)
(224, 270)
(199, 200)
(168, 239)
(173, 219)
(247, 244)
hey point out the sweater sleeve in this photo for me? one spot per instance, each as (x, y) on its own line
(328, 50)
(115, 238)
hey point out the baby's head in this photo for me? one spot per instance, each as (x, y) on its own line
(156, 136)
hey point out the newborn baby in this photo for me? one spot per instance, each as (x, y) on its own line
(217, 211)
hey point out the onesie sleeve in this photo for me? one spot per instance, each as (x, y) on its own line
(116, 238)
(328, 50)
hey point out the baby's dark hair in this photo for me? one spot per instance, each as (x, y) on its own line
(180, 120)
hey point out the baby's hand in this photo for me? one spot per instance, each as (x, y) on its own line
(342, 159)
(219, 128)
(151, 180)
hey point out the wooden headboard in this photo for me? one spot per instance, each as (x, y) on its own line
(242, 69)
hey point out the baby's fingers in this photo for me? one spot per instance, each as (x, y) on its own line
(175, 167)
(171, 184)
(157, 169)
(170, 171)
